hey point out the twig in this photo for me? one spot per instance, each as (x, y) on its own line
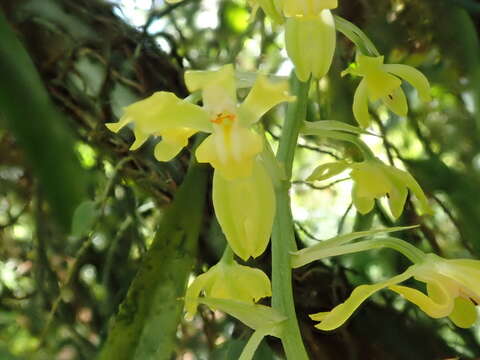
(305, 231)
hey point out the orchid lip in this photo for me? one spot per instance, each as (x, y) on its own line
(221, 117)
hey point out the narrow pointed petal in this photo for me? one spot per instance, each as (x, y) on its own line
(263, 96)
(407, 179)
(326, 171)
(464, 313)
(436, 308)
(413, 76)
(218, 88)
(245, 209)
(397, 102)
(173, 141)
(116, 127)
(164, 110)
(338, 315)
(360, 105)
(140, 138)
(397, 196)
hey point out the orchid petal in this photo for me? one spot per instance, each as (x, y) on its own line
(245, 209)
(173, 141)
(317, 34)
(218, 88)
(396, 102)
(116, 127)
(363, 204)
(409, 181)
(163, 110)
(193, 292)
(360, 105)
(439, 306)
(263, 96)
(231, 151)
(464, 313)
(339, 314)
(379, 82)
(413, 76)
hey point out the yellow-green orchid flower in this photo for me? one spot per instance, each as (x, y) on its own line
(310, 42)
(372, 180)
(228, 280)
(310, 36)
(233, 145)
(382, 82)
(245, 209)
(453, 290)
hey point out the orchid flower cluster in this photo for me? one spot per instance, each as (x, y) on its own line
(247, 179)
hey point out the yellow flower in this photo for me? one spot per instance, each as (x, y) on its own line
(233, 144)
(382, 82)
(245, 209)
(310, 43)
(309, 33)
(372, 180)
(453, 290)
(228, 280)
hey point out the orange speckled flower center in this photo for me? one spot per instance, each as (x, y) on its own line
(224, 116)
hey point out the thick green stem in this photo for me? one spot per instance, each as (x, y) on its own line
(283, 240)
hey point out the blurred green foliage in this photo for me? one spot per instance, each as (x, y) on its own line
(79, 214)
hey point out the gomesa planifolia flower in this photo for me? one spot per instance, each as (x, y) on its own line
(372, 180)
(310, 36)
(452, 290)
(232, 148)
(383, 82)
(228, 280)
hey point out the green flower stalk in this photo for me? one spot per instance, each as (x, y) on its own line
(382, 82)
(372, 180)
(232, 148)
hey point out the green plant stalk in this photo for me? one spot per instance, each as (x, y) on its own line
(147, 320)
(283, 237)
